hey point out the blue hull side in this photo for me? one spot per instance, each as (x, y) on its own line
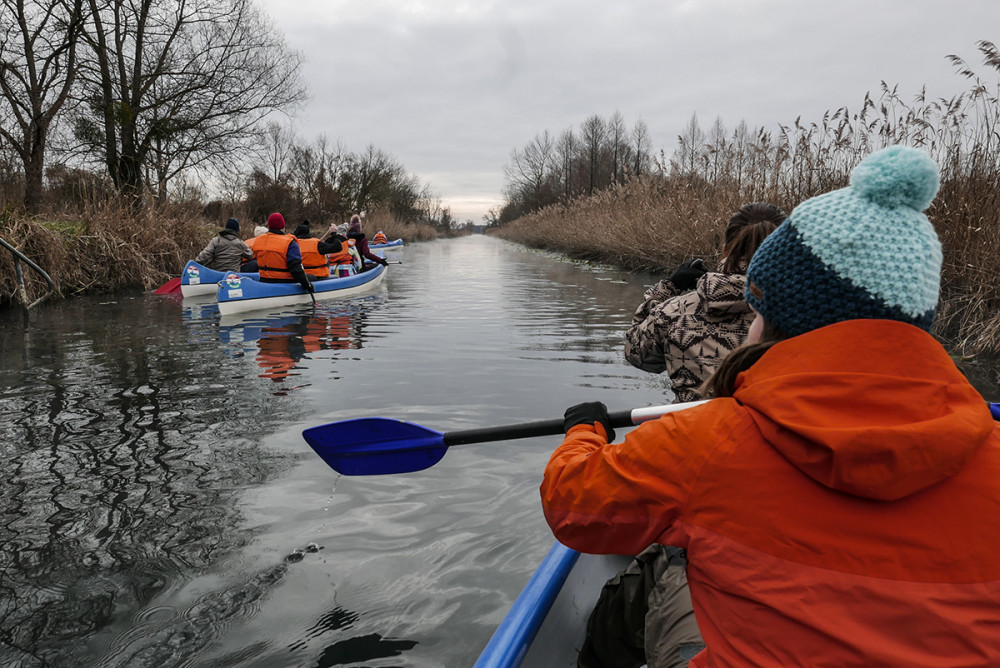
(237, 294)
(511, 640)
(197, 279)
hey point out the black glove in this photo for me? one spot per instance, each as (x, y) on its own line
(382, 262)
(591, 412)
(687, 274)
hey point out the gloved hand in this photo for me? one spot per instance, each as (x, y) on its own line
(590, 412)
(686, 275)
(382, 262)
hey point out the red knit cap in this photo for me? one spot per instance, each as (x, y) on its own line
(275, 222)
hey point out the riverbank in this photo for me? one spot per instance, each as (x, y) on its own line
(653, 224)
(105, 250)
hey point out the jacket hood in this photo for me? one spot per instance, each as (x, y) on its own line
(229, 234)
(722, 294)
(872, 408)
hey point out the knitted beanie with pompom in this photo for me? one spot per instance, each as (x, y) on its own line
(865, 251)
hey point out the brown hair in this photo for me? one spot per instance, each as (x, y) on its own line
(746, 231)
(722, 383)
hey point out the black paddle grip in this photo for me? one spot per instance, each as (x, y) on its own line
(525, 430)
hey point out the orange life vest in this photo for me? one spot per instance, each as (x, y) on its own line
(249, 242)
(379, 238)
(314, 262)
(270, 251)
(343, 257)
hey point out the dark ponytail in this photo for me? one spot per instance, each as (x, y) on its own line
(722, 383)
(745, 233)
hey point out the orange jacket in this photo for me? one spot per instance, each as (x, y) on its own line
(840, 510)
(270, 250)
(313, 262)
(379, 238)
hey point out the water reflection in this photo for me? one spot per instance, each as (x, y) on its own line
(281, 343)
(123, 447)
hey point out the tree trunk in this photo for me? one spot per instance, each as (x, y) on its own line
(33, 172)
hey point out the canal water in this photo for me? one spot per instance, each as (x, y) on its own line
(161, 508)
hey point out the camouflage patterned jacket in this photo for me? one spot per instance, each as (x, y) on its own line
(687, 335)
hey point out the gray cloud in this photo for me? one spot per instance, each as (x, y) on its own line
(451, 87)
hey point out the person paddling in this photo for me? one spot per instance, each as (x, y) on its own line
(314, 251)
(225, 251)
(837, 498)
(379, 238)
(361, 242)
(278, 256)
(686, 325)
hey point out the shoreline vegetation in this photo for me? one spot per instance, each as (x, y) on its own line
(107, 248)
(653, 221)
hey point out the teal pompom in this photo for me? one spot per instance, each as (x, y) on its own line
(897, 176)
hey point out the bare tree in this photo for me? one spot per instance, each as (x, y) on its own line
(594, 137)
(566, 154)
(690, 148)
(175, 84)
(618, 146)
(641, 145)
(529, 170)
(38, 52)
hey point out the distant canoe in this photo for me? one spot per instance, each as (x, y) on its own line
(388, 244)
(197, 279)
(237, 294)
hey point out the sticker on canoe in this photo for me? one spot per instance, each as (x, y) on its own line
(235, 294)
(233, 281)
(192, 270)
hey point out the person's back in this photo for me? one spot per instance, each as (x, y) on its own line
(278, 256)
(828, 526)
(689, 322)
(314, 262)
(837, 499)
(226, 251)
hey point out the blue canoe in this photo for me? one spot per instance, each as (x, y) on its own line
(197, 279)
(545, 626)
(237, 293)
(388, 244)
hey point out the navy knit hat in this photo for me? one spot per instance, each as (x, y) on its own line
(865, 251)
(233, 224)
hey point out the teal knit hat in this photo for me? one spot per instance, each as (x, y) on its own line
(865, 251)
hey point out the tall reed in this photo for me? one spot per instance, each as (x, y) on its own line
(655, 222)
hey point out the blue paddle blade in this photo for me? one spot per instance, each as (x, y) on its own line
(995, 410)
(376, 446)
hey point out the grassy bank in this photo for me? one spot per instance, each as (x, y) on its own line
(107, 248)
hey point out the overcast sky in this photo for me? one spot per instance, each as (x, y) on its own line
(451, 87)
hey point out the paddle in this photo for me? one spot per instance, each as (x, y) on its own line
(171, 286)
(377, 446)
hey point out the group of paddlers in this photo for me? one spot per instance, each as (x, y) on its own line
(291, 258)
(834, 501)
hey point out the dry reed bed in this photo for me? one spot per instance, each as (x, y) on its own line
(655, 222)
